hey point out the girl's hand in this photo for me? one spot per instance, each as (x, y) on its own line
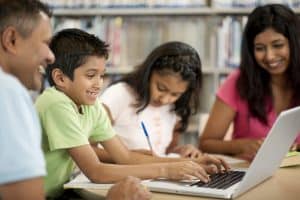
(188, 151)
(213, 164)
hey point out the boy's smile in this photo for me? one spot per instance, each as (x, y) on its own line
(87, 81)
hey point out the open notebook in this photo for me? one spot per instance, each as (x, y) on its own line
(265, 163)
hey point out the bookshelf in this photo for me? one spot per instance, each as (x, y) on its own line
(213, 27)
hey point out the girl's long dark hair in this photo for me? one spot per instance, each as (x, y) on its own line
(254, 82)
(174, 57)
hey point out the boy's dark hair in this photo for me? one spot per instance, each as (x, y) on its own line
(21, 14)
(171, 57)
(253, 83)
(71, 48)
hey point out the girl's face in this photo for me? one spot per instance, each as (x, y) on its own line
(272, 51)
(166, 88)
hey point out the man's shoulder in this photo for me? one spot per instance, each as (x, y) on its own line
(10, 83)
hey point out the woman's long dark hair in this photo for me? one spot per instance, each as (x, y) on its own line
(253, 83)
(174, 57)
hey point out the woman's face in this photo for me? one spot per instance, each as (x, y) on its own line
(272, 51)
(166, 88)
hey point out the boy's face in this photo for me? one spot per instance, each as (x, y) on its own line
(32, 53)
(87, 81)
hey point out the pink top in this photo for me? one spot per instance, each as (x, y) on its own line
(245, 126)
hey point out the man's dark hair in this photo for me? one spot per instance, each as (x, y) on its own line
(21, 14)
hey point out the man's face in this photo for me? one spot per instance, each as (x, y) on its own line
(32, 53)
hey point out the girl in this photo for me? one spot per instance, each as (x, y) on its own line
(162, 92)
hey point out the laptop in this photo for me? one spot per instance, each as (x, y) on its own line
(267, 160)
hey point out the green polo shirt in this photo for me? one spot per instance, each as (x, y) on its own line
(64, 127)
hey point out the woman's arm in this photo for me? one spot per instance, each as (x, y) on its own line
(212, 138)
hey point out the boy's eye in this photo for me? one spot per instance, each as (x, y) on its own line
(90, 75)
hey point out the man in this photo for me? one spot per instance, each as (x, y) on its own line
(25, 34)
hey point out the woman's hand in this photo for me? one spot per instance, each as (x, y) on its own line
(247, 148)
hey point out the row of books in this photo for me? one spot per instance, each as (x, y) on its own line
(124, 3)
(251, 3)
(132, 38)
(164, 3)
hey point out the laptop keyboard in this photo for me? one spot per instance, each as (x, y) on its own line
(222, 180)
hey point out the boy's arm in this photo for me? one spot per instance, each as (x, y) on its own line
(27, 189)
(101, 153)
(87, 160)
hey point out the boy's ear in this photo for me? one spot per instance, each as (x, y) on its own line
(58, 77)
(9, 38)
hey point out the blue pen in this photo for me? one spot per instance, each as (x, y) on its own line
(147, 135)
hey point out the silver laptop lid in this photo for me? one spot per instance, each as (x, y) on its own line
(273, 150)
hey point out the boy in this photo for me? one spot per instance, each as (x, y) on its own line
(72, 118)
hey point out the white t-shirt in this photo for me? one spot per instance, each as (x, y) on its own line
(21, 155)
(159, 121)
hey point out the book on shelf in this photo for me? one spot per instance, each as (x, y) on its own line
(131, 39)
(228, 42)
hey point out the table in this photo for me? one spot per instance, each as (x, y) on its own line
(284, 184)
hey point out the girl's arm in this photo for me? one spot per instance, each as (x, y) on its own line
(175, 139)
(186, 150)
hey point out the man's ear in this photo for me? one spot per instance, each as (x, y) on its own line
(59, 77)
(9, 39)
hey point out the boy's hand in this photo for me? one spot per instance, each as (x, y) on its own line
(129, 188)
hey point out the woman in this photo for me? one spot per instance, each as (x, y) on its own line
(266, 83)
